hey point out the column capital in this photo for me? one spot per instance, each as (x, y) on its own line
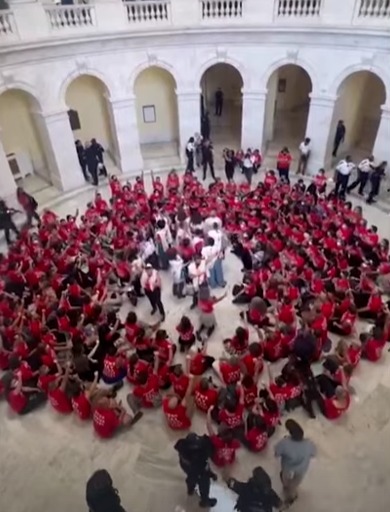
(323, 100)
(255, 94)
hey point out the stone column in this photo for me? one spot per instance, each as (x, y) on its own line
(60, 152)
(253, 113)
(125, 132)
(188, 108)
(382, 142)
(7, 180)
(319, 124)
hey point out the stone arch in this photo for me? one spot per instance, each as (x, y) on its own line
(151, 64)
(298, 61)
(25, 88)
(380, 73)
(221, 60)
(77, 73)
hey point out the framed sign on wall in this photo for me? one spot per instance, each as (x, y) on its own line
(149, 113)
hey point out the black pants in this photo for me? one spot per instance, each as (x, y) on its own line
(154, 297)
(284, 174)
(341, 184)
(375, 185)
(83, 166)
(194, 479)
(32, 214)
(336, 145)
(211, 165)
(190, 161)
(94, 173)
(10, 226)
(35, 400)
(137, 286)
(361, 180)
(218, 108)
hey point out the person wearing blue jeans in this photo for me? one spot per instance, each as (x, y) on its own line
(211, 254)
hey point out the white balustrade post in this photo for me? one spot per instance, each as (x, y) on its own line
(110, 15)
(253, 112)
(7, 180)
(61, 156)
(382, 141)
(334, 12)
(188, 105)
(318, 129)
(30, 19)
(125, 129)
(185, 13)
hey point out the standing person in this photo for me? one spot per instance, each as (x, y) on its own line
(376, 178)
(194, 454)
(101, 495)
(247, 167)
(151, 283)
(190, 150)
(208, 159)
(197, 273)
(283, 163)
(205, 126)
(343, 172)
(92, 163)
(304, 154)
(339, 136)
(6, 222)
(198, 139)
(295, 453)
(230, 164)
(218, 102)
(82, 158)
(99, 152)
(363, 169)
(255, 495)
(29, 205)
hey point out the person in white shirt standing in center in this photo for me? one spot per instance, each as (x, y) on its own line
(304, 154)
(344, 169)
(212, 254)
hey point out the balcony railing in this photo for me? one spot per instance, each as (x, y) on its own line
(35, 20)
(70, 16)
(154, 11)
(298, 8)
(225, 9)
(374, 9)
(7, 24)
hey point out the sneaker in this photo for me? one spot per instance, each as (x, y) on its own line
(210, 502)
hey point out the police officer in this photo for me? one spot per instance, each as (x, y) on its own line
(101, 495)
(6, 222)
(194, 453)
(208, 158)
(255, 495)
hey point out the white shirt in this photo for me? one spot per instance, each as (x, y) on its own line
(148, 248)
(344, 167)
(190, 147)
(210, 255)
(247, 163)
(217, 236)
(365, 165)
(304, 148)
(198, 274)
(176, 267)
(210, 221)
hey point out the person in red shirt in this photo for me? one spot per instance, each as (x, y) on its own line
(147, 392)
(283, 163)
(228, 370)
(345, 324)
(373, 344)
(180, 380)
(249, 388)
(286, 389)
(232, 412)
(238, 344)
(57, 394)
(186, 334)
(136, 367)
(22, 399)
(224, 444)
(178, 411)
(109, 415)
(255, 436)
(205, 394)
(374, 306)
(199, 361)
(334, 407)
(114, 365)
(253, 361)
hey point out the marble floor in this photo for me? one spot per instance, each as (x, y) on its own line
(45, 459)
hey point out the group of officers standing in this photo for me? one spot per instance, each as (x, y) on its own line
(91, 160)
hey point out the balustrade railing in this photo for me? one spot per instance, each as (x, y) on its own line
(144, 11)
(373, 9)
(7, 24)
(298, 8)
(214, 9)
(70, 16)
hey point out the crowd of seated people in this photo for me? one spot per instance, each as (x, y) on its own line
(311, 266)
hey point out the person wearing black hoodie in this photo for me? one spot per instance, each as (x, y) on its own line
(101, 495)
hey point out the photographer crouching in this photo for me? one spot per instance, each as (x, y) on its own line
(194, 453)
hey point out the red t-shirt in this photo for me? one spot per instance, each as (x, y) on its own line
(205, 399)
(197, 364)
(232, 419)
(375, 304)
(257, 439)
(105, 422)
(17, 401)
(134, 372)
(149, 392)
(224, 452)
(372, 349)
(283, 393)
(331, 411)
(230, 374)
(250, 395)
(180, 384)
(45, 380)
(81, 406)
(59, 401)
(249, 362)
(177, 418)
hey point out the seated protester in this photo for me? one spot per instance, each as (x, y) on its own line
(286, 389)
(232, 411)
(373, 344)
(58, 393)
(199, 361)
(327, 381)
(237, 345)
(253, 361)
(147, 392)
(205, 394)
(136, 367)
(344, 326)
(228, 370)
(348, 354)
(332, 407)
(109, 415)
(269, 410)
(224, 443)
(272, 345)
(21, 399)
(256, 433)
(257, 313)
(245, 292)
(186, 334)
(165, 348)
(80, 401)
(144, 346)
(286, 312)
(374, 307)
(180, 380)
(114, 365)
(132, 327)
(249, 388)
(178, 411)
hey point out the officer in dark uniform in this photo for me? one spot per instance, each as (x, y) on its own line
(6, 222)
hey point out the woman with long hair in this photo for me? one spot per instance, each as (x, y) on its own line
(101, 494)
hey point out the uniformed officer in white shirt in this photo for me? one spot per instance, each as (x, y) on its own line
(344, 169)
(363, 172)
(304, 150)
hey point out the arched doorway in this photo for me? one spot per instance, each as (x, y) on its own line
(225, 125)
(358, 104)
(23, 139)
(90, 117)
(157, 116)
(287, 107)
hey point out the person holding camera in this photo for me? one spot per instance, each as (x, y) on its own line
(194, 454)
